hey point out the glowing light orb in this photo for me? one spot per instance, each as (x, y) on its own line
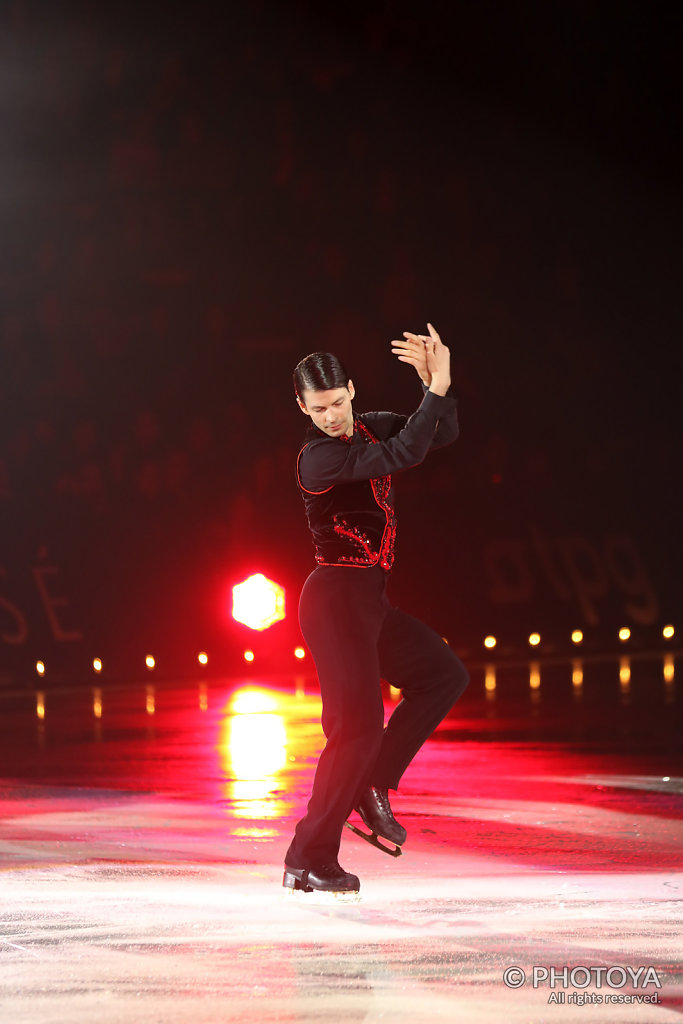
(40, 668)
(299, 653)
(258, 602)
(97, 664)
(535, 639)
(577, 636)
(624, 633)
(490, 641)
(150, 662)
(248, 655)
(203, 658)
(668, 632)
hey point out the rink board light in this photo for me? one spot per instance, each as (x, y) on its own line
(258, 602)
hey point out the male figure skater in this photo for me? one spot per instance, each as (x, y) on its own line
(353, 632)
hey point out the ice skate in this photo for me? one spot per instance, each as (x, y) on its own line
(328, 883)
(376, 813)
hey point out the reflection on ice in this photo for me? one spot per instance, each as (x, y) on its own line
(97, 703)
(253, 751)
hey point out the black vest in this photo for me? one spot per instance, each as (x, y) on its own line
(352, 523)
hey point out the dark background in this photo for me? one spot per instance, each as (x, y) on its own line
(194, 196)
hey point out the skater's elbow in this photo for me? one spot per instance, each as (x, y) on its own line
(446, 433)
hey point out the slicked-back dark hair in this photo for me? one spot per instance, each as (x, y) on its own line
(321, 371)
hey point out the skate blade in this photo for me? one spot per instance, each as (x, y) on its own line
(319, 897)
(373, 839)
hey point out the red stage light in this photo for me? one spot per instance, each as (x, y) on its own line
(258, 602)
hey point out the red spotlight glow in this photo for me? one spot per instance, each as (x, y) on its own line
(258, 602)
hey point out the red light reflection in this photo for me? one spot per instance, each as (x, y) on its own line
(253, 751)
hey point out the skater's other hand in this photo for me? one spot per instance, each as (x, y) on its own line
(412, 349)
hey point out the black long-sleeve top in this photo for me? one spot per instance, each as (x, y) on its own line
(346, 481)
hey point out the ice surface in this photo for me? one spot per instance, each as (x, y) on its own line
(141, 868)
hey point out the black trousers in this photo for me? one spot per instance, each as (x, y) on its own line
(356, 637)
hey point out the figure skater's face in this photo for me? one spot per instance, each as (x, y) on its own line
(331, 411)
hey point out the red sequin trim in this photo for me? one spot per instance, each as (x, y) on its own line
(356, 536)
(381, 489)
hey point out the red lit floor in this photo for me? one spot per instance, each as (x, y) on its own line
(143, 832)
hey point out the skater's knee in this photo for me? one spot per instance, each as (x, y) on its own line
(457, 677)
(363, 726)
(463, 680)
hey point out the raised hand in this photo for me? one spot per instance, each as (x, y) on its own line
(412, 349)
(430, 357)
